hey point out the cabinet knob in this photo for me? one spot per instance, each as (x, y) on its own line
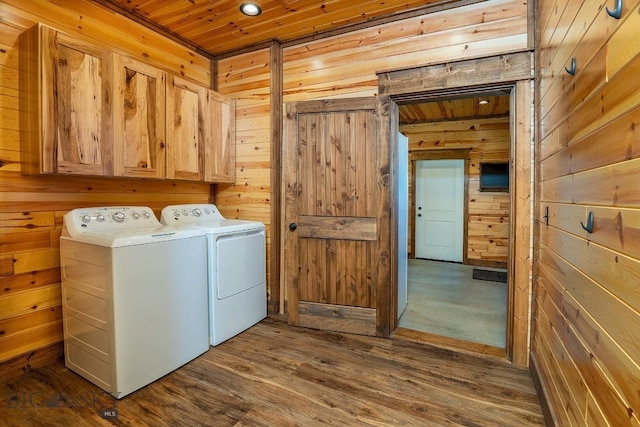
(293, 226)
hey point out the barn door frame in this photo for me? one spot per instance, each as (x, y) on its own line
(514, 73)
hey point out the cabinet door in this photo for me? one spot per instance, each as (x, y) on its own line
(220, 139)
(185, 123)
(139, 119)
(76, 90)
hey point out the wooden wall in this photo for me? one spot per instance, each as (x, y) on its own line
(247, 78)
(489, 141)
(587, 325)
(31, 207)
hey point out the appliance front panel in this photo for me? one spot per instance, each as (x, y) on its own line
(236, 268)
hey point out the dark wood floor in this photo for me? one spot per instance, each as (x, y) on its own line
(276, 375)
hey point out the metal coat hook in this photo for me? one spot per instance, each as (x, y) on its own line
(589, 227)
(546, 215)
(617, 12)
(572, 70)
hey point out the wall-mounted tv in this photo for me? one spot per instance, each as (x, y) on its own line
(494, 176)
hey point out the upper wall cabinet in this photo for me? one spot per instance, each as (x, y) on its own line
(90, 111)
(200, 133)
(139, 119)
(220, 156)
(186, 115)
(65, 102)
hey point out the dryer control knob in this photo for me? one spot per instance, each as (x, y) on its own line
(135, 215)
(196, 212)
(118, 217)
(100, 218)
(86, 218)
(185, 212)
(176, 213)
(146, 215)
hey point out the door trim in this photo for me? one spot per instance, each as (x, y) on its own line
(512, 72)
(429, 154)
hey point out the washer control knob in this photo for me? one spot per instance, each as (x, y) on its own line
(196, 212)
(86, 218)
(185, 212)
(146, 215)
(135, 215)
(176, 213)
(100, 218)
(118, 217)
(207, 211)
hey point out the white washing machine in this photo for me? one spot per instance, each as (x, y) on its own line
(134, 296)
(236, 267)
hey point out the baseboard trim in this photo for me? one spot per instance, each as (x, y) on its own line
(17, 366)
(541, 390)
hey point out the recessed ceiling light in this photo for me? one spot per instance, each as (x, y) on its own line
(483, 102)
(250, 9)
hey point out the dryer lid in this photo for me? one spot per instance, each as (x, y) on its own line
(206, 216)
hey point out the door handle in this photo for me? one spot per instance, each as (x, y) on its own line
(419, 215)
(293, 226)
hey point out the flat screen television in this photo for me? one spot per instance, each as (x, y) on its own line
(494, 176)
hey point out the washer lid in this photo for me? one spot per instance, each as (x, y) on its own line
(132, 237)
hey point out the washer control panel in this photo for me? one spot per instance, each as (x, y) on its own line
(109, 218)
(186, 214)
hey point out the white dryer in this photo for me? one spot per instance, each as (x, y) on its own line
(236, 267)
(134, 296)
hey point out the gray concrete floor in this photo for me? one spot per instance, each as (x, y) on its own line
(445, 300)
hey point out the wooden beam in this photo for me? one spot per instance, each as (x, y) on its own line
(467, 76)
(275, 144)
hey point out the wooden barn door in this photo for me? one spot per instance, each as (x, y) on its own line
(337, 259)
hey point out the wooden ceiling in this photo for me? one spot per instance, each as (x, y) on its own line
(455, 109)
(216, 27)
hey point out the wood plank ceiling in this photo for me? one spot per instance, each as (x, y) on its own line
(217, 28)
(490, 105)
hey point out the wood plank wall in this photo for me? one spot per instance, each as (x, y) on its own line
(489, 141)
(587, 325)
(247, 78)
(346, 65)
(31, 207)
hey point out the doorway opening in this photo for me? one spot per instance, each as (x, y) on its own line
(458, 241)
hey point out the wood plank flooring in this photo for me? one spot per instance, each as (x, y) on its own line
(277, 375)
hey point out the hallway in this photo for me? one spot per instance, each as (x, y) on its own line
(444, 299)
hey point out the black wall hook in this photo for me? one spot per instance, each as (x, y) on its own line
(617, 12)
(589, 227)
(572, 70)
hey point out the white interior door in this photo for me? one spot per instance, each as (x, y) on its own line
(439, 209)
(403, 220)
